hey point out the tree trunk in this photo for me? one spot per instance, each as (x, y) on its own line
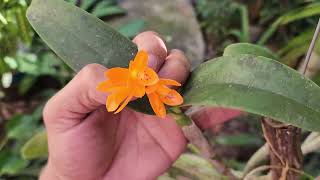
(285, 149)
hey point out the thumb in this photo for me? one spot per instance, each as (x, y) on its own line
(76, 100)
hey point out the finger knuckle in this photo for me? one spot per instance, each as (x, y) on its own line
(180, 57)
(90, 71)
(178, 51)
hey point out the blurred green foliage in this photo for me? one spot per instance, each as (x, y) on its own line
(18, 130)
(216, 16)
(24, 59)
(13, 26)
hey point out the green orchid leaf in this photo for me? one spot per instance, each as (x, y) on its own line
(194, 167)
(79, 38)
(257, 85)
(247, 48)
(36, 147)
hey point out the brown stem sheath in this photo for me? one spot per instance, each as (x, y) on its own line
(285, 149)
(194, 135)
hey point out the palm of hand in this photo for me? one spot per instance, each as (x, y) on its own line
(123, 146)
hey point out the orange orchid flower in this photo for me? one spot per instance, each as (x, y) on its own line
(123, 84)
(160, 94)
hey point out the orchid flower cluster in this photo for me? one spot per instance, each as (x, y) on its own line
(126, 84)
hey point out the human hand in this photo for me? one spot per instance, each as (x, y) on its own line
(86, 142)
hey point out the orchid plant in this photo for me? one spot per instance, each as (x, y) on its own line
(247, 77)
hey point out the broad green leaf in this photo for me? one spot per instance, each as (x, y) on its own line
(36, 147)
(247, 48)
(195, 167)
(78, 37)
(258, 85)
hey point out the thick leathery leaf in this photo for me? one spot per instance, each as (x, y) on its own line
(258, 85)
(78, 37)
(247, 48)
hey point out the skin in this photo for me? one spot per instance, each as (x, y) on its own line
(88, 143)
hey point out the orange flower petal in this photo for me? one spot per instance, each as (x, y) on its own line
(152, 88)
(156, 104)
(123, 105)
(140, 62)
(139, 90)
(108, 86)
(104, 86)
(163, 90)
(117, 75)
(111, 104)
(148, 77)
(173, 98)
(169, 82)
(114, 99)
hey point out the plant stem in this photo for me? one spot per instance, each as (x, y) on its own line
(285, 149)
(194, 135)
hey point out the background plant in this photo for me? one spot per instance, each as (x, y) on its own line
(30, 73)
(30, 63)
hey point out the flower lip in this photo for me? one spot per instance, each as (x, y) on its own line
(160, 94)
